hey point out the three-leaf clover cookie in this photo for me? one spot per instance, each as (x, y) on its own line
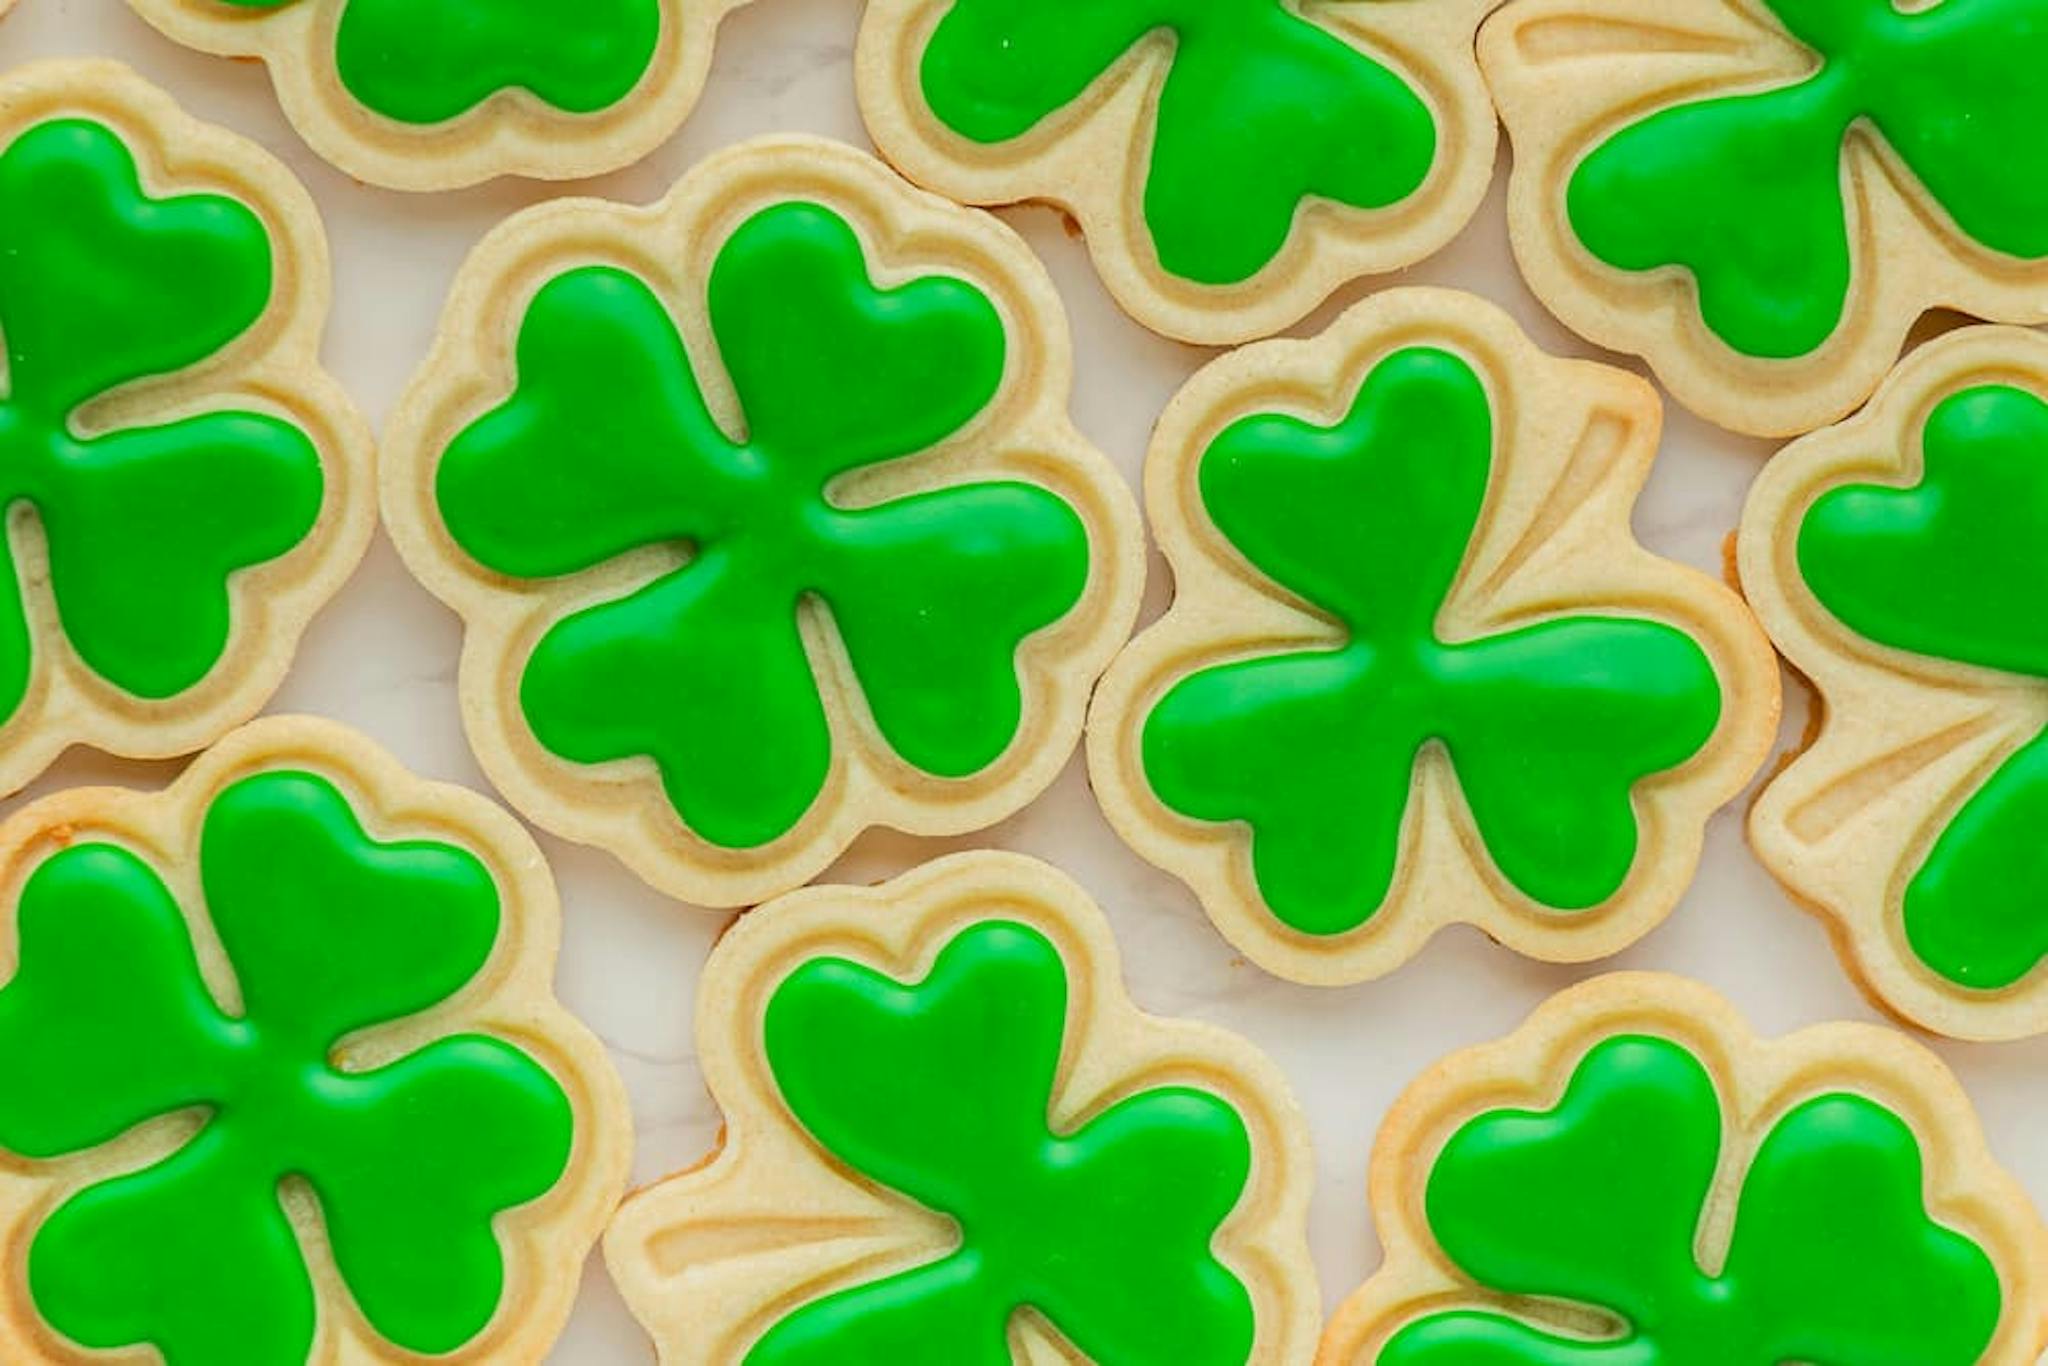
(1761, 197)
(1417, 670)
(281, 1076)
(185, 486)
(1634, 1179)
(951, 1140)
(438, 94)
(1898, 559)
(765, 516)
(1231, 165)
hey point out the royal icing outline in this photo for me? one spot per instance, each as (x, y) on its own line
(709, 1258)
(1756, 1080)
(510, 998)
(1567, 75)
(1089, 158)
(1023, 433)
(271, 368)
(511, 132)
(1573, 443)
(1901, 740)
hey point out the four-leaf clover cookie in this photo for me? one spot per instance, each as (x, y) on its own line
(1898, 560)
(1761, 197)
(951, 1139)
(1634, 1179)
(1417, 671)
(281, 1076)
(438, 94)
(765, 516)
(1231, 165)
(184, 485)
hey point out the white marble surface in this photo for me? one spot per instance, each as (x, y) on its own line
(382, 657)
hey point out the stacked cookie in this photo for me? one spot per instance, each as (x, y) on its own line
(768, 526)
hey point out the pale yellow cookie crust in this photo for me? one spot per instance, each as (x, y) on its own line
(1574, 441)
(1090, 159)
(273, 368)
(1567, 74)
(511, 997)
(1757, 1080)
(1904, 739)
(512, 133)
(710, 1259)
(1025, 433)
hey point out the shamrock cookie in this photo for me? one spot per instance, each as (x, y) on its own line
(1760, 197)
(1898, 561)
(766, 518)
(1416, 671)
(437, 94)
(1231, 165)
(951, 1138)
(1634, 1177)
(185, 486)
(281, 1079)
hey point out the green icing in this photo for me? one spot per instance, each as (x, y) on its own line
(1548, 727)
(102, 285)
(107, 1024)
(1261, 110)
(1951, 568)
(1745, 191)
(428, 61)
(940, 1090)
(606, 446)
(1597, 1203)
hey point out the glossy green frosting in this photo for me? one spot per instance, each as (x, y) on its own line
(1548, 727)
(939, 1090)
(1745, 191)
(607, 446)
(1262, 110)
(1951, 568)
(103, 286)
(107, 1024)
(1597, 1204)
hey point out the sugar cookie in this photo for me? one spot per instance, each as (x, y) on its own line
(1633, 1176)
(1230, 165)
(1417, 671)
(719, 621)
(281, 1075)
(1760, 197)
(1898, 559)
(186, 486)
(950, 1137)
(438, 94)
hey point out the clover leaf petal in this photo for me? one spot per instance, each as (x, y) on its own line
(428, 61)
(107, 1023)
(240, 489)
(607, 446)
(1261, 110)
(941, 1090)
(1597, 1201)
(929, 593)
(704, 672)
(1745, 191)
(100, 286)
(189, 1255)
(329, 930)
(1548, 727)
(1948, 568)
(413, 1160)
(1834, 1248)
